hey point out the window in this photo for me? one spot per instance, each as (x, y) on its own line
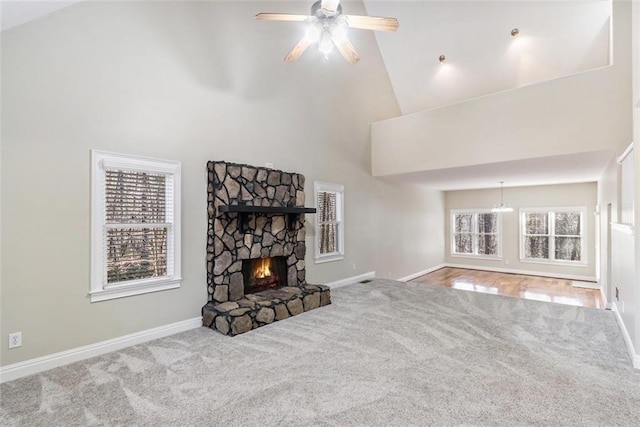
(553, 235)
(476, 233)
(135, 225)
(329, 222)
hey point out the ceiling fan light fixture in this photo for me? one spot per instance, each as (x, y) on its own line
(515, 33)
(329, 27)
(325, 45)
(442, 59)
(339, 30)
(502, 207)
(314, 31)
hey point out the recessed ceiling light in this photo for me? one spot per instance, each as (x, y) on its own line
(515, 33)
(442, 59)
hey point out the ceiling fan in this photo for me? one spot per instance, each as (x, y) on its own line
(328, 27)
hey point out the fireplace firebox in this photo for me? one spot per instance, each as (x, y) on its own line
(264, 273)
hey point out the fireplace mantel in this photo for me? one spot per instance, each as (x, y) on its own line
(265, 209)
(244, 211)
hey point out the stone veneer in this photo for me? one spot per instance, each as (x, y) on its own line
(262, 308)
(267, 236)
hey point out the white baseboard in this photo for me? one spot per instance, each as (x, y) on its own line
(351, 280)
(635, 358)
(421, 273)
(525, 272)
(586, 285)
(607, 304)
(44, 363)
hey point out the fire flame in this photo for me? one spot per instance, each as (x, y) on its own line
(263, 270)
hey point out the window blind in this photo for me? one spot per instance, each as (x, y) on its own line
(138, 225)
(327, 221)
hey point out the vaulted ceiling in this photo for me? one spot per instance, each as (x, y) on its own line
(556, 39)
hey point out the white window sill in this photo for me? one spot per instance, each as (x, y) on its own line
(472, 256)
(329, 258)
(127, 290)
(580, 264)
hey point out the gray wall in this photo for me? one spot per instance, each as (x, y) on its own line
(567, 195)
(187, 81)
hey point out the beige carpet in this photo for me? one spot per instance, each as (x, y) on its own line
(384, 353)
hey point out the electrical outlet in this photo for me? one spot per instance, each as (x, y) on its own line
(15, 339)
(389, 275)
(506, 261)
(269, 165)
(354, 266)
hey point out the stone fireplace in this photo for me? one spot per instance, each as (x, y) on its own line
(256, 248)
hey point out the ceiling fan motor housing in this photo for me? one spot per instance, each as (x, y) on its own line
(318, 11)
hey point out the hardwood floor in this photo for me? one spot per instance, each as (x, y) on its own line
(514, 285)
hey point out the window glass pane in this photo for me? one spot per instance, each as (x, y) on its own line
(328, 227)
(134, 197)
(328, 238)
(464, 244)
(326, 206)
(136, 253)
(536, 247)
(487, 244)
(488, 223)
(329, 220)
(463, 223)
(536, 223)
(567, 223)
(568, 248)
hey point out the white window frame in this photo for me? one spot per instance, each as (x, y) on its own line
(552, 242)
(100, 290)
(318, 187)
(474, 232)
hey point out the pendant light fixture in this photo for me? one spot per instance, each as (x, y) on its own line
(501, 207)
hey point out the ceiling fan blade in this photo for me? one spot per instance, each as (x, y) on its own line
(374, 23)
(347, 51)
(281, 17)
(331, 5)
(297, 50)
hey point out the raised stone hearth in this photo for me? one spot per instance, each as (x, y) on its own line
(235, 237)
(262, 308)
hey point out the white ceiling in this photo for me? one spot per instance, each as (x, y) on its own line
(558, 38)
